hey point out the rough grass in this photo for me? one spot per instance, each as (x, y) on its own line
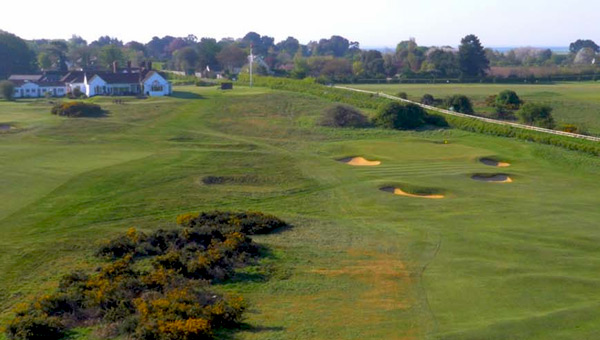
(573, 103)
(491, 261)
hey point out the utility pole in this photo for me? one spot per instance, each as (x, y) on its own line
(251, 63)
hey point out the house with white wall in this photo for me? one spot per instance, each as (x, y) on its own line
(120, 82)
(154, 85)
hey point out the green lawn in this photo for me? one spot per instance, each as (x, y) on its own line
(490, 261)
(573, 103)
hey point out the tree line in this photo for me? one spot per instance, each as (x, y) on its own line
(334, 59)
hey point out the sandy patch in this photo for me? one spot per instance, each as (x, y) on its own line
(386, 277)
(493, 162)
(359, 161)
(6, 127)
(497, 178)
(400, 192)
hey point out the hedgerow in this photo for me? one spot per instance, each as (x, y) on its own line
(372, 101)
(171, 299)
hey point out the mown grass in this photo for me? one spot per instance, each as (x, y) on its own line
(490, 261)
(573, 103)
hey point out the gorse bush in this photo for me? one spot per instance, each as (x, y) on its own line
(247, 222)
(77, 109)
(340, 115)
(167, 296)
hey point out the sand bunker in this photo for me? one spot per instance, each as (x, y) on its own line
(493, 162)
(6, 127)
(496, 178)
(400, 192)
(359, 161)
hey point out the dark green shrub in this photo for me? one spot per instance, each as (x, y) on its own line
(77, 109)
(508, 100)
(537, 115)
(400, 116)
(7, 90)
(436, 120)
(427, 99)
(247, 222)
(402, 95)
(341, 115)
(460, 103)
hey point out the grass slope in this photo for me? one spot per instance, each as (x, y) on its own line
(490, 261)
(573, 103)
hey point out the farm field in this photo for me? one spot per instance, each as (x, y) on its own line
(573, 103)
(489, 260)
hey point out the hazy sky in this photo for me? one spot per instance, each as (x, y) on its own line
(371, 22)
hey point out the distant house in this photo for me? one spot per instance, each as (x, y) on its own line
(149, 83)
(120, 82)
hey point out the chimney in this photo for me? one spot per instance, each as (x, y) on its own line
(115, 67)
(149, 66)
(129, 66)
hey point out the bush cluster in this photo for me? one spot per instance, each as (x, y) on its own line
(537, 115)
(155, 286)
(370, 101)
(460, 103)
(341, 115)
(77, 109)
(395, 115)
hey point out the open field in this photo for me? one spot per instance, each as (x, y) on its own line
(573, 103)
(490, 260)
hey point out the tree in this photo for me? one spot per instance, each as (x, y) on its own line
(106, 40)
(7, 90)
(537, 115)
(335, 46)
(337, 69)
(56, 51)
(289, 45)
(109, 54)
(373, 63)
(82, 55)
(232, 57)
(394, 115)
(471, 57)
(460, 103)
(187, 59)
(44, 61)
(585, 56)
(301, 67)
(15, 56)
(574, 47)
(443, 64)
(208, 49)
(157, 47)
